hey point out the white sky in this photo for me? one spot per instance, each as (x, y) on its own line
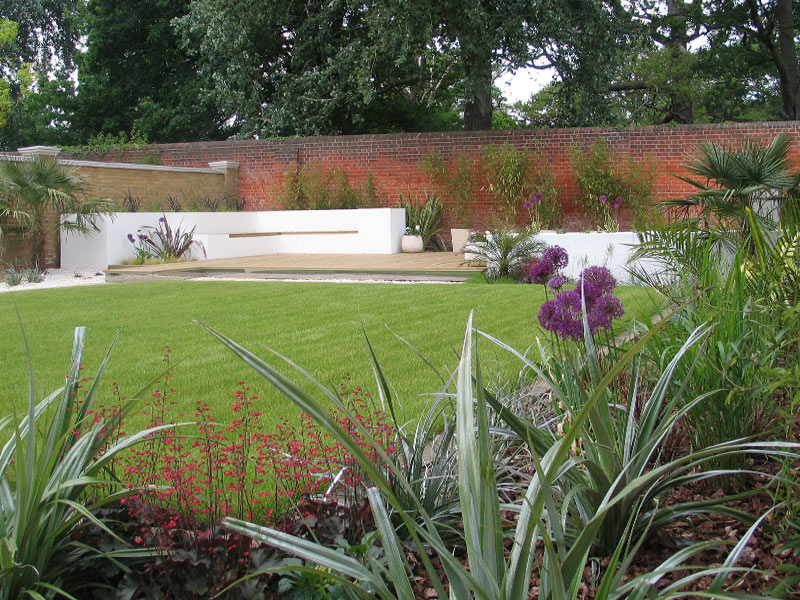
(522, 84)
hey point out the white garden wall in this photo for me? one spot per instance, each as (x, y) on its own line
(356, 231)
(611, 250)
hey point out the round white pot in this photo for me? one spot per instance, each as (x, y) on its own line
(411, 243)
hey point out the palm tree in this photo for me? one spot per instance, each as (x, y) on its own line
(732, 180)
(33, 192)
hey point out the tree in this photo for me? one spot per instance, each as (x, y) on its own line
(134, 76)
(35, 191)
(16, 78)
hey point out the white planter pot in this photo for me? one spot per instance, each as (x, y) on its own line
(460, 238)
(411, 243)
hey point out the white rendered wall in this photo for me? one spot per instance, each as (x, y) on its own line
(378, 231)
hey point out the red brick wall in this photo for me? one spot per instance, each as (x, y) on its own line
(393, 159)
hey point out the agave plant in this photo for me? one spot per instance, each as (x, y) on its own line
(492, 573)
(425, 218)
(167, 244)
(46, 480)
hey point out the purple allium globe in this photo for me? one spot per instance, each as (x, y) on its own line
(603, 198)
(600, 276)
(563, 315)
(557, 256)
(538, 198)
(557, 282)
(542, 271)
(131, 238)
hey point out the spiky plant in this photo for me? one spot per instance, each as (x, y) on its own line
(38, 192)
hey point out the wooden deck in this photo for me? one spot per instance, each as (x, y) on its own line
(444, 266)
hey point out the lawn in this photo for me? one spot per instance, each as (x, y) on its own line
(316, 324)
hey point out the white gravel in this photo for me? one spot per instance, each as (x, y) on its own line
(57, 278)
(60, 278)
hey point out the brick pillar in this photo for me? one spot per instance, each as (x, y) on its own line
(229, 168)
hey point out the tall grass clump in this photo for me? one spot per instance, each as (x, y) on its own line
(53, 467)
(589, 489)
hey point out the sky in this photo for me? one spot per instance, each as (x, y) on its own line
(522, 84)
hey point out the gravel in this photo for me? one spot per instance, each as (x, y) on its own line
(60, 278)
(57, 278)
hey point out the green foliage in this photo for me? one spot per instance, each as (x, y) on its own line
(311, 187)
(423, 218)
(491, 572)
(508, 179)
(33, 190)
(599, 173)
(103, 143)
(136, 77)
(731, 181)
(47, 481)
(20, 77)
(166, 244)
(505, 253)
(12, 277)
(545, 211)
(455, 181)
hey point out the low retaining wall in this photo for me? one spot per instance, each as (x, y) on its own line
(236, 234)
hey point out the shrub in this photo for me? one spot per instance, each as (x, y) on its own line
(608, 183)
(423, 219)
(165, 244)
(12, 277)
(48, 481)
(508, 179)
(310, 187)
(455, 181)
(505, 253)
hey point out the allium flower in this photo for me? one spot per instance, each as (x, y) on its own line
(557, 282)
(563, 315)
(162, 219)
(542, 271)
(142, 236)
(557, 256)
(603, 198)
(538, 198)
(528, 203)
(600, 276)
(617, 201)
(131, 239)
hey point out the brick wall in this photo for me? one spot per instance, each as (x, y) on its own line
(150, 185)
(393, 159)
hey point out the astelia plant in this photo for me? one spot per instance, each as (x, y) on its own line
(491, 572)
(47, 480)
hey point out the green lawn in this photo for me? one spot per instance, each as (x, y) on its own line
(316, 324)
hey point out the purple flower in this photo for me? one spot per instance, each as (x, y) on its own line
(603, 198)
(131, 239)
(528, 203)
(542, 271)
(538, 198)
(557, 256)
(600, 276)
(162, 219)
(563, 315)
(557, 282)
(142, 236)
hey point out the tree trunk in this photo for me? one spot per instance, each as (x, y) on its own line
(789, 80)
(478, 80)
(37, 250)
(681, 109)
(784, 54)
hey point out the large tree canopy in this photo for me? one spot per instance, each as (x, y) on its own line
(181, 70)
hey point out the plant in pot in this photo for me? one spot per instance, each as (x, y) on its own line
(422, 221)
(455, 180)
